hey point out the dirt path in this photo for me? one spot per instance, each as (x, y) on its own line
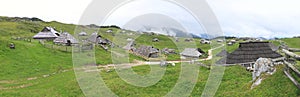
(210, 55)
(12, 82)
(15, 87)
(139, 63)
(101, 67)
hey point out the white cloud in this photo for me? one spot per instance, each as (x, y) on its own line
(132, 10)
(266, 18)
(68, 11)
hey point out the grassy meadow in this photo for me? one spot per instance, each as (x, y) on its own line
(32, 70)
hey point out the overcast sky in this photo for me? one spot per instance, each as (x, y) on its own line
(266, 18)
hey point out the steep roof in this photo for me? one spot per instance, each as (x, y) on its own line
(82, 34)
(191, 52)
(103, 41)
(250, 52)
(129, 45)
(64, 37)
(93, 37)
(146, 51)
(46, 33)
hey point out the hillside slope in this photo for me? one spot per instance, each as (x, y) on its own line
(32, 70)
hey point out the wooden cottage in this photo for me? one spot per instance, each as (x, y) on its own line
(204, 41)
(233, 41)
(188, 40)
(147, 52)
(48, 33)
(191, 53)
(168, 51)
(249, 52)
(103, 41)
(82, 34)
(229, 43)
(155, 40)
(94, 37)
(129, 46)
(109, 31)
(65, 38)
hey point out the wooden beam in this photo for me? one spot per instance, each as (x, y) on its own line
(291, 54)
(292, 79)
(294, 49)
(289, 65)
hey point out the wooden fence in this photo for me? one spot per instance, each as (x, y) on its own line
(291, 68)
(22, 39)
(56, 47)
(296, 83)
(294, 49)
(77, 48)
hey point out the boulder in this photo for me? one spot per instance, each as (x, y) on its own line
(261, 66)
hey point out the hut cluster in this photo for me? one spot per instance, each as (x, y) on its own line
(50, 34)
(204, 41)
(152, 52)
(66, 39)
(233, 41)
(142, 51)
(99, 40)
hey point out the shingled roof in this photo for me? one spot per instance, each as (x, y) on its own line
(250, 52)
(82, 34)
(129, 46)
(191, 52)
(64, 38)
(47, 33)
(147, 51)
(93, 37)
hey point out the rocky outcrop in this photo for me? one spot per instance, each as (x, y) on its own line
(261, 66)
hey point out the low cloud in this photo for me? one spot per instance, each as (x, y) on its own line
(258, 18)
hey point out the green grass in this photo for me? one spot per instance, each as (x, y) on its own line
(297, 65)
(60, 85)
(236, 82)
(232, 48)
(298, 53)
(292, 42)
(276, 43)
(31, 59)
